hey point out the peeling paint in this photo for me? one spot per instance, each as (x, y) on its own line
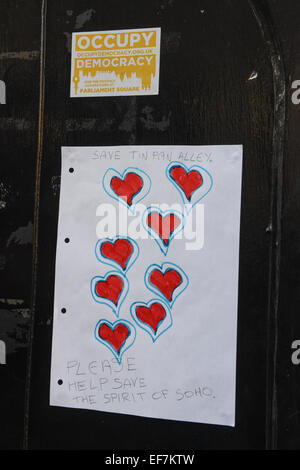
(12, 301)
(13, 330)
(21, 236)
(83, 124)
(269, 228)
(15, 305)
(7, 124)
(25, 312)
(84, 18)
(55, 185)
(99, 125)
(128, 124)
(23, 55)
(5, 191)
(253, 75)
(149, 122)
(68, 37)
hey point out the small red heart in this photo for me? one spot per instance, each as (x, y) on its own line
(110, 289)
(188, 182)
(119, 251)
(128, 188)
(152, 315)
(166, 282)
(115, 336)
(164, 226)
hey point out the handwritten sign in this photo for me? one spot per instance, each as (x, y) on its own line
(115, 63)
(145, 308)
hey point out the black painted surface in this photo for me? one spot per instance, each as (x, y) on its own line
(19, 69)
(210, 49)
(287, 374)
(206, 98)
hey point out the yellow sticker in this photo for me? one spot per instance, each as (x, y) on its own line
(115, 63)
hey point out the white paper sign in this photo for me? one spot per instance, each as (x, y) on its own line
(146, 286)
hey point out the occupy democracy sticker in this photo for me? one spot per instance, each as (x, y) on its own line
(115, 63)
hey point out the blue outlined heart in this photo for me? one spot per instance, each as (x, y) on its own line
(162, 226)
(192, 183)
(154, 317)
(119, 252)
(110, 289)
(117, 337)
(128, 188)
(167, 280)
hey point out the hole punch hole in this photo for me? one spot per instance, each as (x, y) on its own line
(60, 382)
(63, 310)
(71, 170)
(67, 240)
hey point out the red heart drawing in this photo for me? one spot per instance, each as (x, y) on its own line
(128, 188)
(187, 181)
(152, 315)
(164, 226)
(115, 336)
(166, 282)
(110, 289)
(119, 251)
